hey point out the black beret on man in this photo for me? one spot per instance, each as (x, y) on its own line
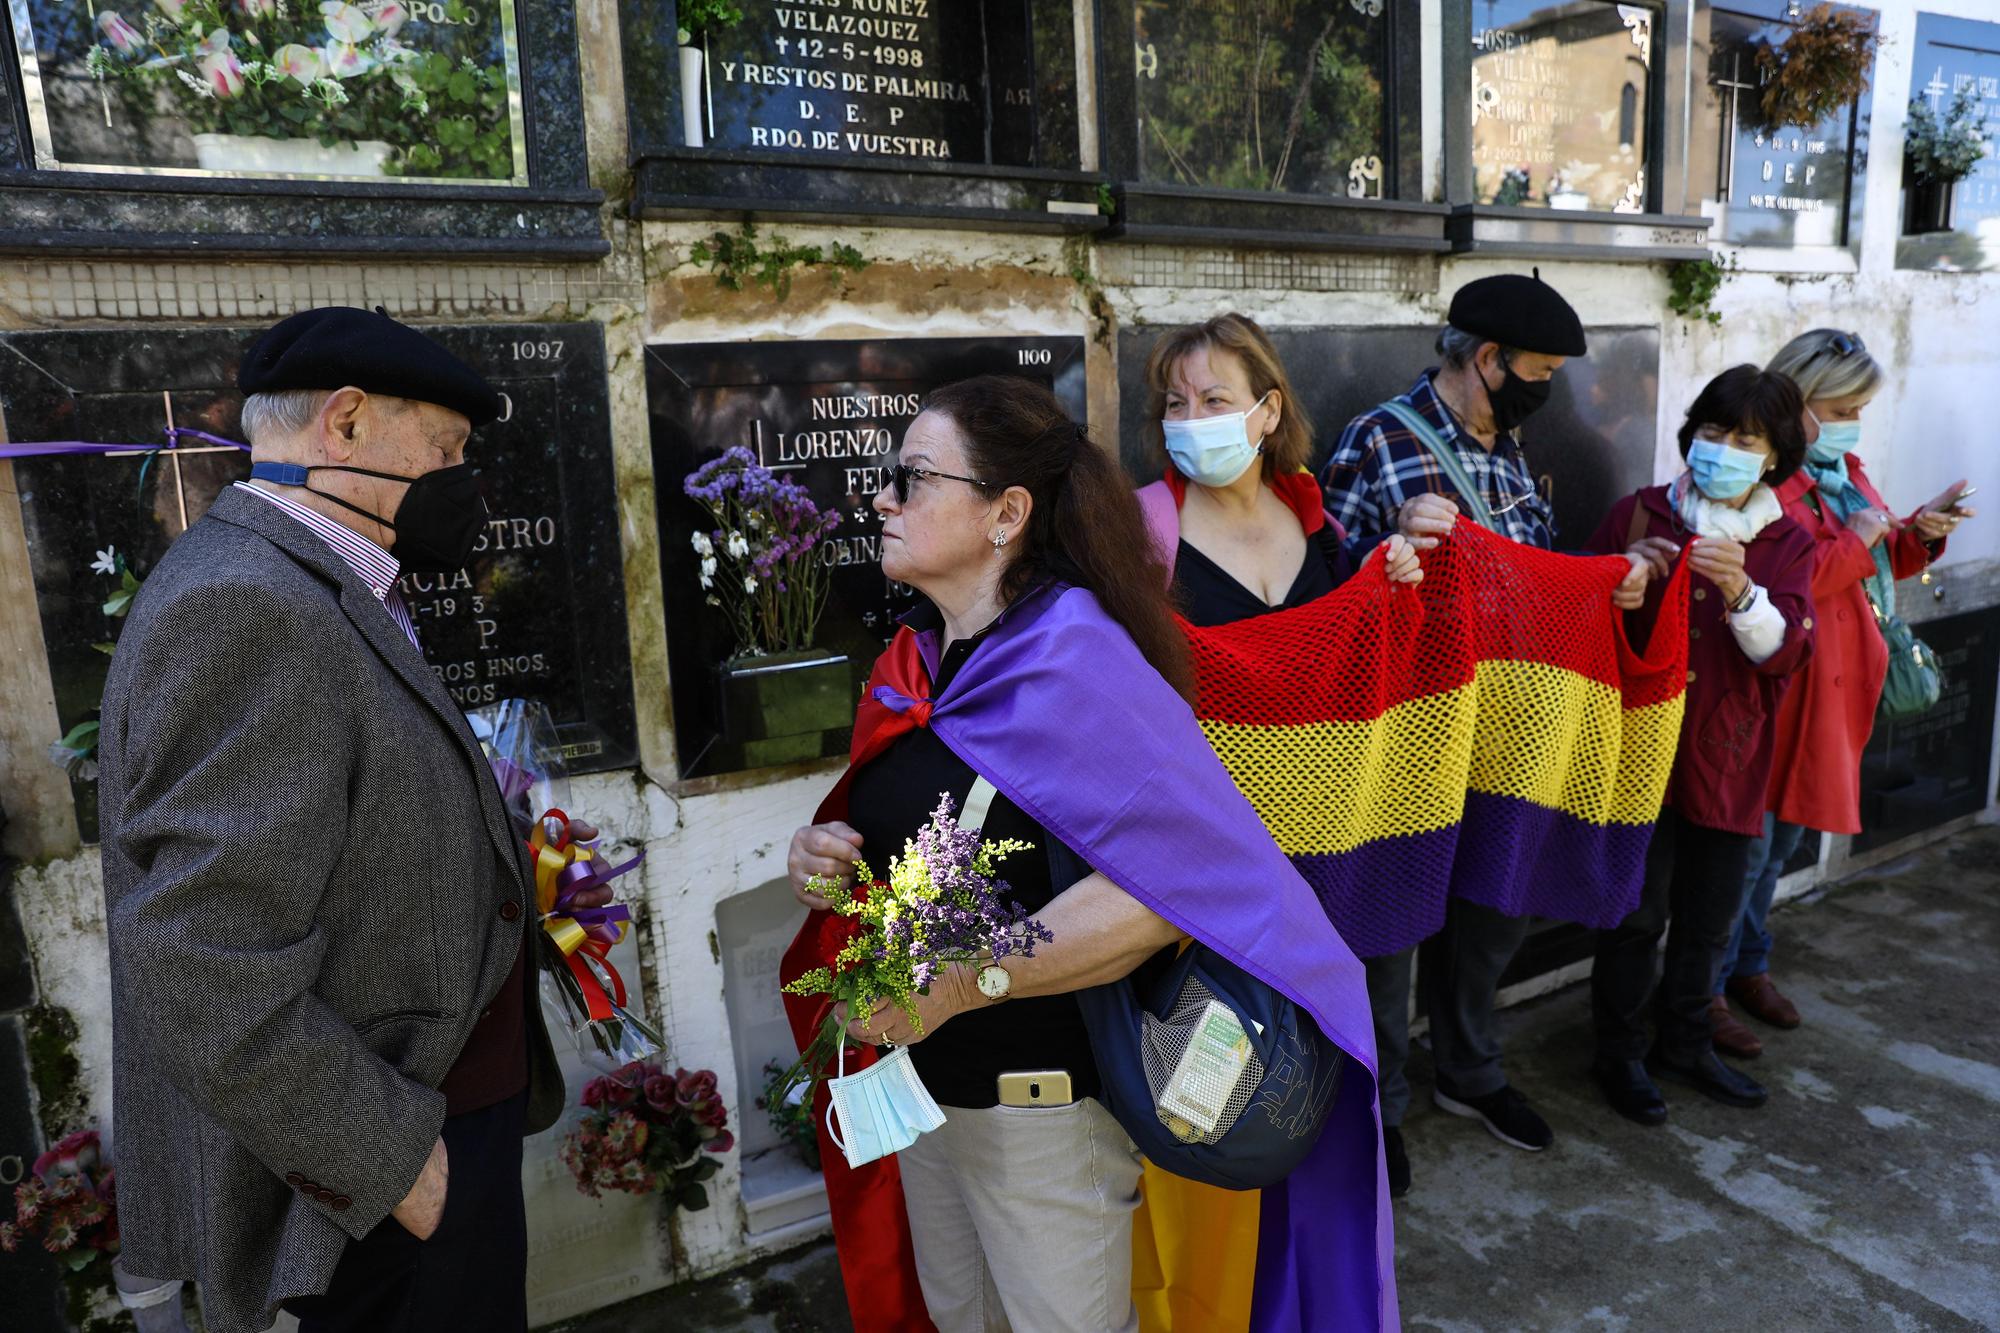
(1517, 310)
(336, 346)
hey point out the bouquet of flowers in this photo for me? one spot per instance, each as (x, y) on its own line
(71, 1199)
(646, 1131)
(757, 563)
(942, 904)
(581, 990)
(317, 69)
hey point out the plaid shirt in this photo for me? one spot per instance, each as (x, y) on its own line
(1380, 465)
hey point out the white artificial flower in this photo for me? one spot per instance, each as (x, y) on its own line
(736, 545)
(708, 567)
(106, 562)
(702, 545)
(749, 583)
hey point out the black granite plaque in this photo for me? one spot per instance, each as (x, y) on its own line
(991, 82)
(539, 614)
(1274, 95)
(1952, 55)
(829, 415)
(1922, 771)
(1561, 102)
(1778, 185)
(1591, 445)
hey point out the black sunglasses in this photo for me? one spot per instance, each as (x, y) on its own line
(1841, 345)
(900, 474)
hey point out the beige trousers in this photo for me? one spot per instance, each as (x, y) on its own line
(1022, 1219)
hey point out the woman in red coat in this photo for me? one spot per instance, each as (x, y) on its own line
(1750, 626)
(1859, 550)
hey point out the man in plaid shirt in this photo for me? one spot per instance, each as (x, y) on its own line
(1507, 337)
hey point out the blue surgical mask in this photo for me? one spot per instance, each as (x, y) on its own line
(1722, 472)
(883, 1108)
(1212, 451)
(1837, 439)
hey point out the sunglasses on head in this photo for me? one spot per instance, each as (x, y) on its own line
(1841, 345)
(900, 474)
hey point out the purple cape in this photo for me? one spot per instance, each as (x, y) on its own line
(1061, 713)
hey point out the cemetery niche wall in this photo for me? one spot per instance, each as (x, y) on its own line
(1763, 184)
(1268, 122)
(432, 124)
(829, 416)
(1954, 56)
(540, 612)
(1562, 119)
(965, 112)
(1921, 771)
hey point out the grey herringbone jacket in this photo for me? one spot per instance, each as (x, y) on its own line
(313, 892)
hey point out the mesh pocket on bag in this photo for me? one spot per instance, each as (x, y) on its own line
(1164, 1043)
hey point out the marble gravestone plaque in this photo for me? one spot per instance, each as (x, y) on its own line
(990, 82)
(1560, 101)
(1590, 446)
(1954, 55)
(1920, 772)
(829, 415)
(1779, 186)
(540, 613)
(1275, 95)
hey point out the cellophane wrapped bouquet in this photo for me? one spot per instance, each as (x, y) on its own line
(582, 993)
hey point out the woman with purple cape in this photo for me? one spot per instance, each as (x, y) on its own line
(1045, 660)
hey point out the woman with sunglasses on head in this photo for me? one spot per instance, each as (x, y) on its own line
(1044, 661)
(1859, 551)
(1750, 623)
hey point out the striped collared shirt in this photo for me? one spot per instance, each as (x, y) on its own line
(376, 567)
(1380, 465)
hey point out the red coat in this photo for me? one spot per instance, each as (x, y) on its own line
(1825, 718)
(1723, 766)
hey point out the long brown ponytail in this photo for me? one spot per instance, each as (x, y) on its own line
(1085, 527)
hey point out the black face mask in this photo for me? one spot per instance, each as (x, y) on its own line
(1516, 399)
(435, 525)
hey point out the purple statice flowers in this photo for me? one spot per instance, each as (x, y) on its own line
(758, 562)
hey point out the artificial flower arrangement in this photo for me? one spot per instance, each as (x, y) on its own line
(758, 562)
(1942, 147)
(1820, 68)
(646, 1131)
(328, 70)
(69, 1201)
(943, 903)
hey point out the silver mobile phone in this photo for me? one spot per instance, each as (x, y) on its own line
(1035, 1087)
(1959, 499)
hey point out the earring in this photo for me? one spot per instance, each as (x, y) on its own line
(999, 539)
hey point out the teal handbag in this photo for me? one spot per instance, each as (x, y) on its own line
(1916, 678)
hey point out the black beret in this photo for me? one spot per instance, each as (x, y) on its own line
(335, 346)
(1516, 310)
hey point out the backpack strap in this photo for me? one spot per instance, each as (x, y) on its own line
(1447, 459)
(1638, 527)
(1163, 523)
(978, 804)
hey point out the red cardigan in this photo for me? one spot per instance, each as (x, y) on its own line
(1723, 766)
(1825, 718)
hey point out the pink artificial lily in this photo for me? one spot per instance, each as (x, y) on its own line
(224, 73)
(173, 9)
(298, 62)
(390, 18)
(345, 22)
(344, 60)
(124, 38)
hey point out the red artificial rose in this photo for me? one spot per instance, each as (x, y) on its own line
(722, 1142)
(609, 1092)
(693, 1087)
(660, 1093)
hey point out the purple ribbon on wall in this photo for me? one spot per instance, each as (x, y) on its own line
(175, 434)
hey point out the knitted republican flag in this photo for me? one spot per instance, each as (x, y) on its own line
(1490, 733)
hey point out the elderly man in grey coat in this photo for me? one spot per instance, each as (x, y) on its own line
(323, 935)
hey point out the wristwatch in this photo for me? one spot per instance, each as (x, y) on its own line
(995, 981)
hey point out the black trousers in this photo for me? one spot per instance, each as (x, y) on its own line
(473, 1271)
(1694, 875)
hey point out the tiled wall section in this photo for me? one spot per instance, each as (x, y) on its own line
(1264, 270)
(117, 289)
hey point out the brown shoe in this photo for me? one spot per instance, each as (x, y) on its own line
(1731, 1037)
(1763, 1001)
